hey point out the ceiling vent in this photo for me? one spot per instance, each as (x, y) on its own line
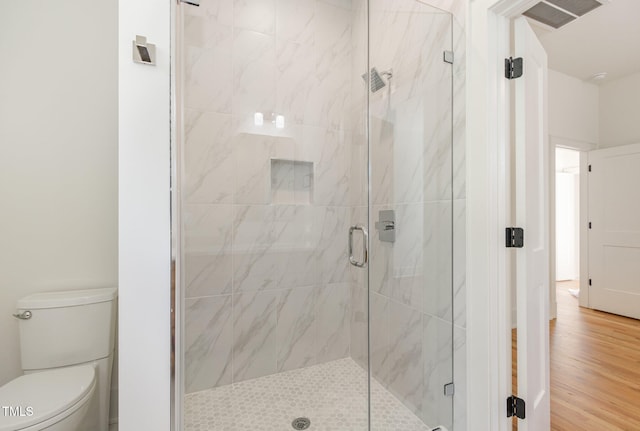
(556, 13)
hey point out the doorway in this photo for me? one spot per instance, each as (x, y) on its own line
(567, 217)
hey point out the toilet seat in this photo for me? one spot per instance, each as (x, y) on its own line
(53, 395)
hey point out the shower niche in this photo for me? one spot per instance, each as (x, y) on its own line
(291, 182)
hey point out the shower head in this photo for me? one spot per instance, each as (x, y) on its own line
(376, 79)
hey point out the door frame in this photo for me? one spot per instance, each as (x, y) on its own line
(489, 265)
(583, 149)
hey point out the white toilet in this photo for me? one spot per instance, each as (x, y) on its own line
(67, 347)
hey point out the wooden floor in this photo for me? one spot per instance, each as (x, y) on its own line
(595, 368)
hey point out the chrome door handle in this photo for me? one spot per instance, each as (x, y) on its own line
(365, 246)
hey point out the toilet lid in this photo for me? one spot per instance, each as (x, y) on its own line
(48, 393)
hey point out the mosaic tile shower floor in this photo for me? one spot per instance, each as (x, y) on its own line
(332, 395)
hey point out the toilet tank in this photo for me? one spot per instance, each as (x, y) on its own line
(67, 328)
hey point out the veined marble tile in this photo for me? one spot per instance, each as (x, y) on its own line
(329, 101)
(208, 274)
(407, 264)
(253, 154)
(333, 314)
(459, 263)
(455, 7)
(460, 378)
(416, 69)
(345, 4)
(404, 6)
(256, 15)
(438, 260)
(296, 328)
(380, 347)
(358, 325)
(381, 160)
(253, 228)
(438, 369)
(295, 20)
(208, 342)
(381, 257)
(295, 228)
(438, 175)
(332, 252)
(359, 172)
(296, 68)
(200, 23)
(218, 11)
(406, 367)
(459, 48)
(254, 331)
(207, 227)
(208, 158)
(208, 70)
(411, 135)
(411, 150)
(332, 37)
(254, 73)
(207, 251)
(329, 150)
(275, 247)
(459, 137)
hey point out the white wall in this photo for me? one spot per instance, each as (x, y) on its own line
(573, 108)
(58, 162)
(620, 111)
(144, 217)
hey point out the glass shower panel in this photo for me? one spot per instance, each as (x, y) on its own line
(273, 172)
(300, 121)
(410, 275)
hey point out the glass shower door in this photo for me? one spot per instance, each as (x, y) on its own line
(303, 125)
(273, 165)
(410, 272)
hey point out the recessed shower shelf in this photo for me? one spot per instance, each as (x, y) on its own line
(291, 182)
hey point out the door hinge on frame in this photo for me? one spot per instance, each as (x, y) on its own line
(589, 168)
(515, 407)
(513, 67)
(514, 237)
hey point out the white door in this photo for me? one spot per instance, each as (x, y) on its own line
(532, 214)
(614, 237)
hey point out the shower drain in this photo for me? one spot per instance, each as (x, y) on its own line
(300, 423)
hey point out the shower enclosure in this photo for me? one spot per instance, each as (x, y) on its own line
(313, 172)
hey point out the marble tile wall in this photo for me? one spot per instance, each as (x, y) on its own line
(266, 276)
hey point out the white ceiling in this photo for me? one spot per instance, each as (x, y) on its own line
(606, 39)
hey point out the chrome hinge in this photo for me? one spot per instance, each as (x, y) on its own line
(449, 389)
(448, 57)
